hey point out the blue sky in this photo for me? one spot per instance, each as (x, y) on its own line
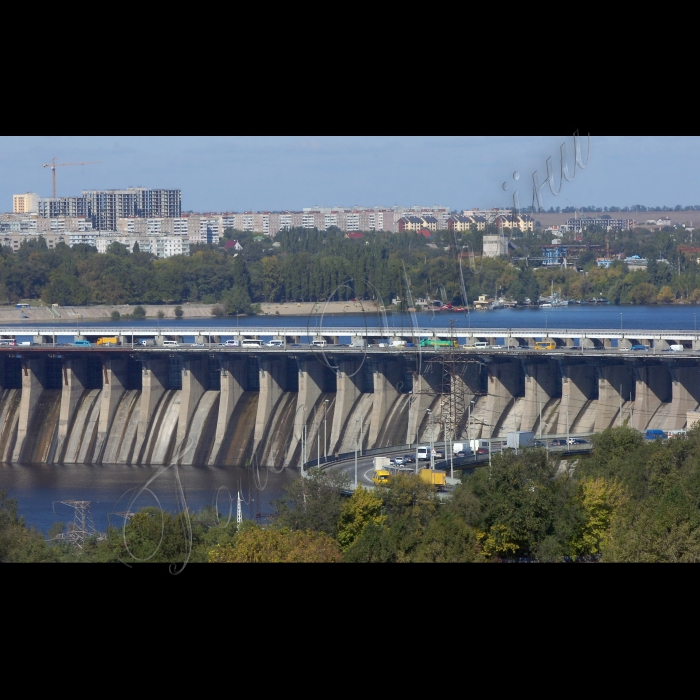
(237, 173)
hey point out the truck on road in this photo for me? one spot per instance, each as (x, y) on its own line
(381, 463)
(520, 438)
(432, 476)
(108, 341)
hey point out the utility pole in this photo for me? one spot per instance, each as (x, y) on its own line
(325, 433)
(239, 511)
(357, 420)
(620, 418)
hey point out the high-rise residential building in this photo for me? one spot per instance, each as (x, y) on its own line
(50, 208)
(27, 203)
(106, 206)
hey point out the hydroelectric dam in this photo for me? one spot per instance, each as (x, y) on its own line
(207, 404)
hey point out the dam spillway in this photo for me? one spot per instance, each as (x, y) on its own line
(234, 407)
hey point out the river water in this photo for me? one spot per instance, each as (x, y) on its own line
(39, 488)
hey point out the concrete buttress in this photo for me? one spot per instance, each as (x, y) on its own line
(73, 386)
(33, 382)
(653, 387)
(349, 381)
(615, 384)
(114, 371)
(154, 380)
(387, 376)
(578, 388)
(195, 380)
(503, 387)
(232, 388)
(271, 388)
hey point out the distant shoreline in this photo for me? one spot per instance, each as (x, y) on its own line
(71, 314)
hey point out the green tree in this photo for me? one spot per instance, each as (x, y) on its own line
(362, 508)
(237, 301)
(139, 312)
(313, 502)
(178, 312)
(272, 545)
(643, 293)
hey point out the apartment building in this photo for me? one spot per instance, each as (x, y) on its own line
(72, 207)
(15, 241)
(64, 223)
(107, 206)
(27, 203)
(160, 246)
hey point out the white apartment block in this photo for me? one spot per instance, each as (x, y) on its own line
(81, 238)
(160, 246)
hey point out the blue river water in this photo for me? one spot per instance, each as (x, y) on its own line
(38, 488)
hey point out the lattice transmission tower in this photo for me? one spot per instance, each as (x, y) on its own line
(82, 528)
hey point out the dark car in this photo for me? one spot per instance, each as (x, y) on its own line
(409, 459)
(557, 443)
(482, 451)
(577, 441)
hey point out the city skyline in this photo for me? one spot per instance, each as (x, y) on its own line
(290, 173)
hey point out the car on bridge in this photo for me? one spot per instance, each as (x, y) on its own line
(578, 441)
(639, 347)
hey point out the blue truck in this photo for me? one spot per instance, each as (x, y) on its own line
(655, 435)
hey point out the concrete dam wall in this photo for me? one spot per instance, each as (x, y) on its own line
(223, 410)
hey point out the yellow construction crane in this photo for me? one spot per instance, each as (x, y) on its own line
(53, 165)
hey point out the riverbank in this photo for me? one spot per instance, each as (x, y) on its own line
(190, 311)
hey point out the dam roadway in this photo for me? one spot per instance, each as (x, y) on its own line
(222, 406)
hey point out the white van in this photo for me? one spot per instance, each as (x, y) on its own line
(318, 343)
(676, 348)
(482, 344)
(171, 344)
(275, 344)
(423, 454)
(248, 343)
(231, 344)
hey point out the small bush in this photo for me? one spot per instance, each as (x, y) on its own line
(115, 315)
(218, 310)
(179, 312)
(139, 312)
(160, 314)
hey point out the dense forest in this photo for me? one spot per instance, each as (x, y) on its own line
(310, 265)
(631, 500)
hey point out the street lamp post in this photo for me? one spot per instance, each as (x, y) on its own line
(430, 429)
(325, 433)
(302, 408)
(356, 457)
(566, 396)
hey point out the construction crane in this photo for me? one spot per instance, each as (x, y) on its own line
(53, 165)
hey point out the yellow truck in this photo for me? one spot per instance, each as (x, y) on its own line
(432, 476)
(108, 341)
